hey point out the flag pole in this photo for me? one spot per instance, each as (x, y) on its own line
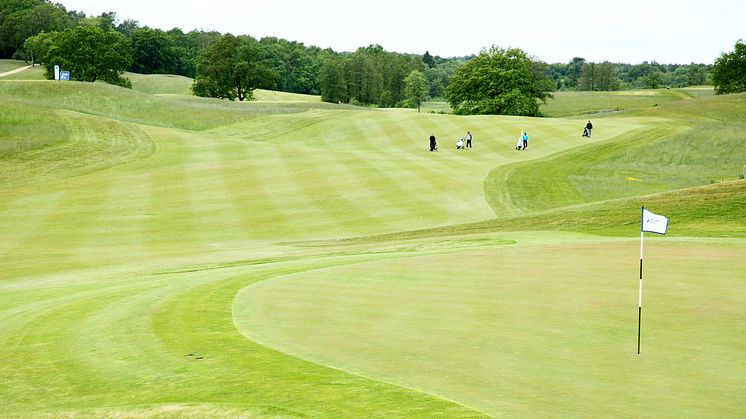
(639, 300)
(652, 223)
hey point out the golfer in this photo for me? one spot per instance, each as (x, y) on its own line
(588, 129)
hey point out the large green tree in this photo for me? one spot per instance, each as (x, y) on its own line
(729, 71)
(189, 46)
(153, 52)
(416, 88)
(298, 67)
(371, 76)
(598, 77)
(37, 47)
(21, 19)
(232, 68)
(499, 82)
(91, 54)
(364, 83)
(652, 80)
(332, 81)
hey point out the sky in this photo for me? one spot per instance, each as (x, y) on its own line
(631, 31)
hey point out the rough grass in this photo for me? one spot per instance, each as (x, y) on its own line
(589, 103)
(132, 106)
(161, 84)
(165, 84)
(23, 128)
(371, 276)
(8, 65)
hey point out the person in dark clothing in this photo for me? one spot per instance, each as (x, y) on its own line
(433, 144)
(468, 139)
(588, 129)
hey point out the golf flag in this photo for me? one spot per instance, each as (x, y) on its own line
(653, 223)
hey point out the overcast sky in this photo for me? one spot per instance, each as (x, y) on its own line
(631, 31)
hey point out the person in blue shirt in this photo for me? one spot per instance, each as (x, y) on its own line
(524, 137)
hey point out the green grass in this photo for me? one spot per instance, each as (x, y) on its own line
(167, 255)
(8, 65)
(166, 84)
(587, 103)
(103, 100)
(34, 74)
(161, 84)
(484, 325)
(23, 128)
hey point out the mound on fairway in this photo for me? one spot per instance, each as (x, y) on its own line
(167, 255)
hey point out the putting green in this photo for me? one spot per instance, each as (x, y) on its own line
(547, 325)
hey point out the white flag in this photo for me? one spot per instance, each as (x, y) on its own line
(654, 223)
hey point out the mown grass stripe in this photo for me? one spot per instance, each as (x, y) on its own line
(169, 218)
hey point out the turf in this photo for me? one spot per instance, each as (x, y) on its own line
(486, 325)
(9, 65)
(593, 103)
(166, 255)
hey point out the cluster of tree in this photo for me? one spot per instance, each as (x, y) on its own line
(368, 76)
(581, 75)
(29, 28)
(373, 76)
(88, 52)
(21, 19)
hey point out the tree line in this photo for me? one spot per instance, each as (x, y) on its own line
(231, 67)
(582, 75)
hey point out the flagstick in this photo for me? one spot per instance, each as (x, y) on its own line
(639, 304)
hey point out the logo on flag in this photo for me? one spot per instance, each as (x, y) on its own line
(653, 223)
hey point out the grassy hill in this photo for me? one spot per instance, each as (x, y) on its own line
(167, 255)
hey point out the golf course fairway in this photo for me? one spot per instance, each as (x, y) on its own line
(164, 255)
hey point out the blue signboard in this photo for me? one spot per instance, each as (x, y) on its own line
(64, 75)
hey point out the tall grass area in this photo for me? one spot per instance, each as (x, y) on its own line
(23, 128)
(590, 103)
(166, 84)
(166, 255)
(133, 106)
(8, 65)
(161, 84)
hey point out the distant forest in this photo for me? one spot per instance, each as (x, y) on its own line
(369, 75)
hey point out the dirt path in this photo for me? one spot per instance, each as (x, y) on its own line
(17, 70)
